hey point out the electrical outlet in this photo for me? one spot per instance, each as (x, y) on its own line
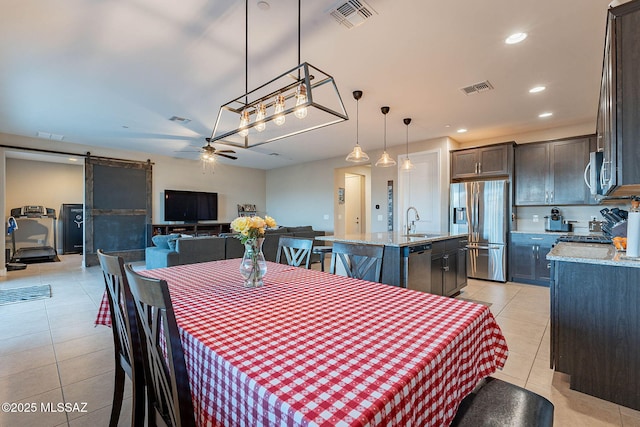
(379, 217)
(325, 216)
(535, 218)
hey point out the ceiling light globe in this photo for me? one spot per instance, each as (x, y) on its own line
(385, 161)
(357, 155)
(407, 165)
(278, 109)
(515, 38)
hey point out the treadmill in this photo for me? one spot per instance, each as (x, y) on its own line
(26, 217)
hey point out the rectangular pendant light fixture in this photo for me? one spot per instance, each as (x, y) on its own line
(311, 101)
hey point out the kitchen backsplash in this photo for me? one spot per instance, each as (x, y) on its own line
(526, 221)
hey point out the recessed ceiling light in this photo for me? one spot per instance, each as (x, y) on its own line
(447, 126)
(73, 159)
(543, 115)
(264, 5)
(515, 38)
(461, 130)
(537, 89)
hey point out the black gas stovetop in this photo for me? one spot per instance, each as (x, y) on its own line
(584, 238)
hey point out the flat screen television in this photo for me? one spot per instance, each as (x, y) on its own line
(190, 206)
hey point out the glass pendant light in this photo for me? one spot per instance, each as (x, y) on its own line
(279, 108)
(385, 160)
(244, 121)
(406, 163)
(261, 113)
(357, 155)
(301, 101)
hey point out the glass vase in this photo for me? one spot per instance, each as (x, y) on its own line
(253, 266)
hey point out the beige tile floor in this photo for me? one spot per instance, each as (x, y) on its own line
(50, 351)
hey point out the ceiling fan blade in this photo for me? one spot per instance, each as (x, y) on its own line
(227, 156)
(225, 151)
(190, 151)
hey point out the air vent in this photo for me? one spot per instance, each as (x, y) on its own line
(351, 13)
(478, 87)
(179, 119)
(52, 136)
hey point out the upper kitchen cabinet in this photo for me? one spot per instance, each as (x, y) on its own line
(489, 161)
(552, 173)
(618, 127)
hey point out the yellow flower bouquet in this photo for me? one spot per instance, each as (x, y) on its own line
(250, 231)
(252, 227)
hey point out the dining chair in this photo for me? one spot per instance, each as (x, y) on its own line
(297, 250)
(169, 400)
(498, 403)
(126, 341)
(359, 261)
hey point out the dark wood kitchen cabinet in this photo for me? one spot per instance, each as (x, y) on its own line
(618, 127)
(448, 266)
(489, 161)
(552, 173)
(528, 258)
(595, 329)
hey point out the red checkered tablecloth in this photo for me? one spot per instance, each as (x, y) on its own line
(310, 348)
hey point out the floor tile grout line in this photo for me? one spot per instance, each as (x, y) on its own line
(55, 355)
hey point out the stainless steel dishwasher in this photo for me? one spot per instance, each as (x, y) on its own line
(417, 267)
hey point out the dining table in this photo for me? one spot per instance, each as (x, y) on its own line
(310, 348)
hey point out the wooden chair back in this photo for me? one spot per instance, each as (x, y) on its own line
(296, 250)
(126, 341)
(359, 261)
(168, 391)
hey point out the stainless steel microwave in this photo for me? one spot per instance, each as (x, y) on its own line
(593, 173)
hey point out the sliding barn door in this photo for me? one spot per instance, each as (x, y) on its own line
(118, 208)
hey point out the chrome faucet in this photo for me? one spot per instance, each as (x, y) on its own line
(410, 227)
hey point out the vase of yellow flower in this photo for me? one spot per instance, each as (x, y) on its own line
(251, 231)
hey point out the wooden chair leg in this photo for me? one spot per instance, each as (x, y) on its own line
(118, 392)
(138, 403)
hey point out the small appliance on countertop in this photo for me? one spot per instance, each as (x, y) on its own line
(556, 222)
(615, 222)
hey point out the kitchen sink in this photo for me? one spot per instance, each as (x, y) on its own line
(421, 235)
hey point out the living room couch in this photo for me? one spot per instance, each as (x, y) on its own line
(189, 250)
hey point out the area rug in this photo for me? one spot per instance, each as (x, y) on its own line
(488, 304)
(29, 293)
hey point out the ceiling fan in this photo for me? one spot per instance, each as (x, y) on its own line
(209, 151)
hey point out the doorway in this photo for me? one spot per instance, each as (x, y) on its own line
(352, 202)
(354, 199)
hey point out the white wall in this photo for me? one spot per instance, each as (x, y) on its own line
(577, 129)
(302, 194)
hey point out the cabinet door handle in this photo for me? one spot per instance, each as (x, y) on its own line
(445, 261)
(476, 167)
(479, 167)
(551, 196)
(546, 197)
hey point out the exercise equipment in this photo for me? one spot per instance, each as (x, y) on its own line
(32, 222)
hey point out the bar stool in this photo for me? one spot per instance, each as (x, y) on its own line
(322, 251)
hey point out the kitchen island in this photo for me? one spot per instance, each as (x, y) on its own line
(434, 263)
(595, 321)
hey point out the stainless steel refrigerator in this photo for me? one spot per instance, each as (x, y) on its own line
(479, 208)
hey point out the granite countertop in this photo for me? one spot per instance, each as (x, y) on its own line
(591, 253)
(390, 238)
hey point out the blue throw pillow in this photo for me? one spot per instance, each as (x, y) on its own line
(172, 243)
(161, 241)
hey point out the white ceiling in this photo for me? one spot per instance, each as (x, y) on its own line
(111, 73)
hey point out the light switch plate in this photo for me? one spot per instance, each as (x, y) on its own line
(325, 216)
(535, 218)
(379, 217)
